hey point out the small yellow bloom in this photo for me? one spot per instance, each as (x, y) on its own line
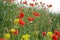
(12, 30)
(23, 36)
(49, 34)
(7, 35)
(16, 21)
(26, 37)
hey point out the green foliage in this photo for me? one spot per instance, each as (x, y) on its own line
(7, 13)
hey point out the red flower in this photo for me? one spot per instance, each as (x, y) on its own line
(49, 5)
(57, 33)
(55, 37)
(25, 2)
(16, 32)
(31, 4)
(21, 22)
(30, 19)
(21, 15)
(35, 14)
(2, 39)
(43, 33)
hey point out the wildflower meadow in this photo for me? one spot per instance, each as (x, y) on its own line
(23, 21)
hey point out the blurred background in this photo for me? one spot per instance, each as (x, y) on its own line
(55, 3)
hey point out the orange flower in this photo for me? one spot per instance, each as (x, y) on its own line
(21, 22)
(31, 4)
(30, 19)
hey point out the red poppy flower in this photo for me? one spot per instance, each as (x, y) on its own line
(25, 2)
(31, 4)
(55, 37)
(57, 33)
(2, 39)
(35, 14)
(21, 15)
(16, 32)
(49, 5)
(21, 22)
(43, 33)
(30, 19)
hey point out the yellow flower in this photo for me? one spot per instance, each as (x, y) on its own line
(7, 35)
(23, 36)
(49, 34)
(16, 21)
(26, 37)
(12, 30)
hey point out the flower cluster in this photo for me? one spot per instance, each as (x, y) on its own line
(19, 20)
(38, 4)
(23, 22)
(54, 36)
